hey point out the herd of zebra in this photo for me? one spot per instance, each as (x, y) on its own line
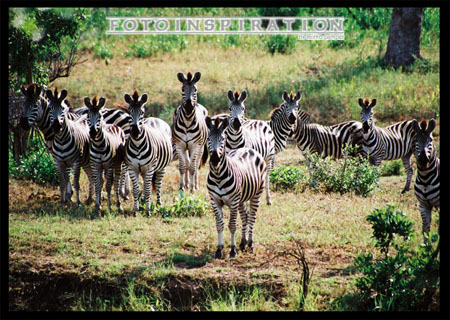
(119, 142)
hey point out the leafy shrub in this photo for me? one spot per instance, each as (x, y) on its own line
(36, 165)
(392, 168)
(182, 208)
(401, 280)
(287, 178)
(102, 50)
(343, 175)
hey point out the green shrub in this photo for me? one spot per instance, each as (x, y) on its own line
(403, 279)
(287, 178)
(349, 174)
(183, 207)
(392, 168)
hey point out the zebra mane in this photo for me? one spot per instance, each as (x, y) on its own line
(189, 76)
(135, 95)
(275, 111)
(423, 125)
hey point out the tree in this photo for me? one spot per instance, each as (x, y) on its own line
(42, 47)
(404, 37)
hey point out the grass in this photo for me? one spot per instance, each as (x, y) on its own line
(171, 259)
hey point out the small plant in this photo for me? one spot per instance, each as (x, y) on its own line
(182, 208)
(344, 175)
(287, 178)
(402, 280)
(392, 168)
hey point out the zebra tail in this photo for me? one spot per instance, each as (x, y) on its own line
(204, 156)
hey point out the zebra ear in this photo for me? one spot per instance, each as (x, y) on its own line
(181, 77)
(285, 96)
(224, 123)
(373, 103)
(63, 95)
(197, 76)
(230, 95)
(298, 96)
(127, 98)
(22, 89)
(431, 125)
(101, 103)
(87, 102)
(208, 122)
(38, 90)
(243, 96)
(361, 103)
(143, 99)
(49, 94)
(415, 125)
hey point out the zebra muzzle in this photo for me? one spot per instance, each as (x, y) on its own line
(134, 131)
(24, 124)
(236, 124)
(214, 159)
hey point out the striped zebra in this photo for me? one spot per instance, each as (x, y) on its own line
(254, 134)
(233, 179)
(283, 119)
(393, 142)
(107, 151)
(427, 186)
(148, 149)
(189, 132)
(328, 141)
(70, 146)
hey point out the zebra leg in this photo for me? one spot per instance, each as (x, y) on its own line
(61, 170)
(69, 184)
(196, 156)
(109, 182)
(158, 183)
(97, 172)
(232, 226)
(409, 171)
(182, 160)
(425, 212)
(243, 211)
(148, 176)
(270, 163)
(124, 182)
(134, 175)
(76, 180)
(251, 218)
(117, 178)
(91, 177)
(217, 208)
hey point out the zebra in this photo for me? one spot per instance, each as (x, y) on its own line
(427, 186)
(107, 151)
(328, 141)
(390, 143)
(254, 134)
(70, 146)
(189, 132)
(234, 178)
(284, 117)
(148, 149)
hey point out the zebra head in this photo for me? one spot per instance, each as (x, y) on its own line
(95, 117)
(425, 148)
(289, 107)
(57, 108)
(367, 113)
(31, 107)
(136, 111)
(216, 139)
(237, 108)
(189, 91)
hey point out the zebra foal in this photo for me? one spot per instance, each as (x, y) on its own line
(427, 186)
(107, 150)
(393, 142)
(189, 132)
(148, 149)
(233, 179)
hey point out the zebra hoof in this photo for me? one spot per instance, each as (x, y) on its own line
(218, 254)
(233, 252)
(405, 190)
(242, 245)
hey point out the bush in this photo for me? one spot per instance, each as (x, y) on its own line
(392, 168)
(182, 208)
(344, 175)
(287, 178)
(402, 280)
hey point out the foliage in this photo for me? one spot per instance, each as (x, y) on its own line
(403, 280)
(392, 168)
(349, 174)
(287, 178)
(183, 207)
(36, 165)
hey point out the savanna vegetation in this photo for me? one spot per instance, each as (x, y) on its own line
(321, 246)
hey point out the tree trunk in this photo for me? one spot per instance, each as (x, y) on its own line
(404, 37)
